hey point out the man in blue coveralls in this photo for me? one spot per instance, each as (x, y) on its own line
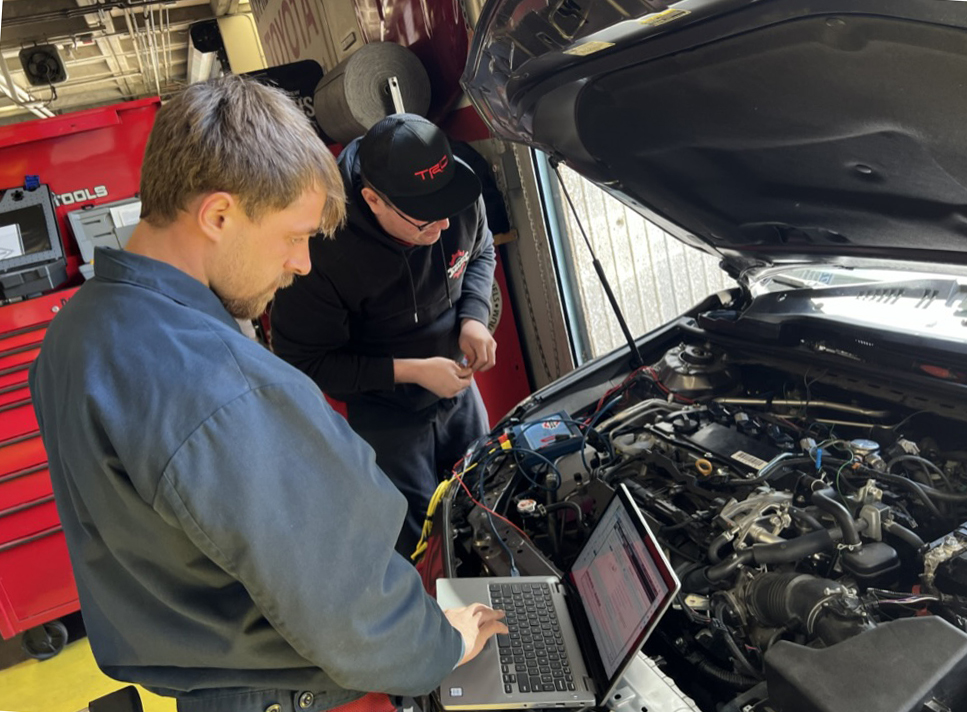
(231, 538)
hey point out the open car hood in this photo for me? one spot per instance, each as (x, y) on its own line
(766, 131)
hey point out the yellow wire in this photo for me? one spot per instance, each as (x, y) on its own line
(428, 521)
(435, 500)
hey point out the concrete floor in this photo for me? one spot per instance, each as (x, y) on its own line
(64, 683)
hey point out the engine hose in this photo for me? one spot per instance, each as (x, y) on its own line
(718, 544)
(923, 477)
(715, 549)
(940, 495)
(784, 552)
(726, 569)
(804, 517)
(801, 600)
(571, 505)
(927, 495)
(552, 525)
(825, 499)
(904, 534)
(924, 494)
(732, 679)
(770, 470)
(926, 464)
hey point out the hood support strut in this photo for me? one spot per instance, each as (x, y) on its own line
(636, 360)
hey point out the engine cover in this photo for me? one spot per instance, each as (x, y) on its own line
(896, 667)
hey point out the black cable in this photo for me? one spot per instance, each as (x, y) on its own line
(559, 478)
(925, 494)
(732, 679)
(739, 659)
(916, 488)
(493, 524)
(904, 534)
(904, 421)
(669, 528)
(682, 553)
(926, 464)
(590, 429)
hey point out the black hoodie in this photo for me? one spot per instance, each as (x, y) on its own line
(370, 299)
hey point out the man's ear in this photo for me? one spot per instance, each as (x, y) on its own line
(374, 202)
(216, 213)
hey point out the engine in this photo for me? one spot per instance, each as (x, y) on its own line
(800, 517)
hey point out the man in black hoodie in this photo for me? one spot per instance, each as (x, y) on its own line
(392, 317)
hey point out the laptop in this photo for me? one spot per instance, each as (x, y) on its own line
(571, 638)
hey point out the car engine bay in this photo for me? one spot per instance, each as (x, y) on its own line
(814, 508)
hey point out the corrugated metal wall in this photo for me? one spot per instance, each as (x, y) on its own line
(654, 276)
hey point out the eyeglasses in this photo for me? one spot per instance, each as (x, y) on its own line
(419, 226)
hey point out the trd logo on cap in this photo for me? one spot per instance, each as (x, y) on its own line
(433, 170)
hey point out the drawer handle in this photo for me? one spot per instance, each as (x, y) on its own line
(31, 538)
(26, 505)
(23, 473)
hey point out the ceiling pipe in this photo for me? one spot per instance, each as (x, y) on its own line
(100, 79)
(163, 38)
(8, 109)
(75, 62)
(135, 40)
(86, 61)
(168, 63)
(98, 33)
(72, 12)
(152, 43)
(113, 47)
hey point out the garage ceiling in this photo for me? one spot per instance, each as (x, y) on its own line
(113, 51)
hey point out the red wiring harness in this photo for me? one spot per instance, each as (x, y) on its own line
(627, 381)
(459, 478)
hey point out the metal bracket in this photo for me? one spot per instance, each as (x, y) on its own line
(397, 97)
(644, 686)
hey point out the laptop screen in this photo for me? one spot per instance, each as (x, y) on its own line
(624, 583)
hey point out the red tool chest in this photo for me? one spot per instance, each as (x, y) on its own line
(87, 158)
(36, 584)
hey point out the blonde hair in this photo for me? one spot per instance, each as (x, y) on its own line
(242, 137)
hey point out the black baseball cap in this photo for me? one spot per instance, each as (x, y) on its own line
(408, 160)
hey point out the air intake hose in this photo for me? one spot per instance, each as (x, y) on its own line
(820, 607)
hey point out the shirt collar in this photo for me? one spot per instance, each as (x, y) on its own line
(112, 265)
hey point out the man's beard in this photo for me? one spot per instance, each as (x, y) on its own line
(254, 307)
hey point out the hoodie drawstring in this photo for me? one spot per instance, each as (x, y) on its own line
(446, 275)
(409, 272)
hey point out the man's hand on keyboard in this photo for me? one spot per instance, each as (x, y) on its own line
(477, 624)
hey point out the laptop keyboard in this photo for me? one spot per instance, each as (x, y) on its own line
(532, 656)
